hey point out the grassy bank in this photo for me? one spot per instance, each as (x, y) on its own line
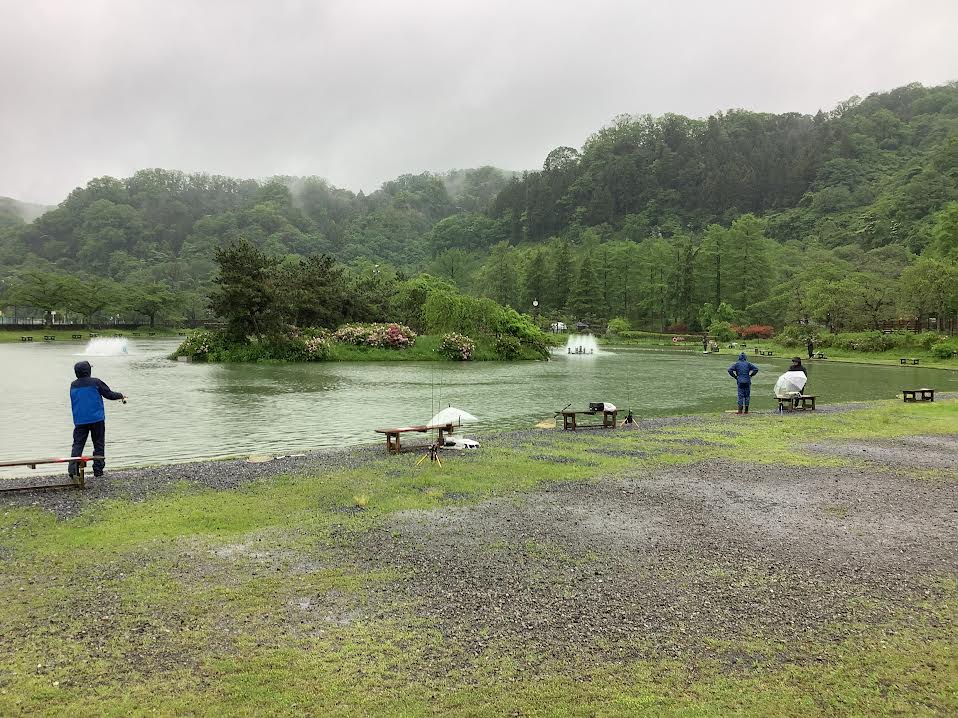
(925, 356)
(66, 335)
(255, 601)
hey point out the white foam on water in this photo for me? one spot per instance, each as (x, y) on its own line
(580, 345)
(107, 347)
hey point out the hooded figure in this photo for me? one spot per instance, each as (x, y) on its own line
(86, 400)
(742, 371)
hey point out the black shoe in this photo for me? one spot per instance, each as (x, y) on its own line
(98, 474)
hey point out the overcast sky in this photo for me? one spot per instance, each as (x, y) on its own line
(359, 92)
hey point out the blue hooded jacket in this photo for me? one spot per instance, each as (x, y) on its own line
(743, 370)
(87, 394)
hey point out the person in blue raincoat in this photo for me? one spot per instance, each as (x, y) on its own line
(742, 371)
(86, 400)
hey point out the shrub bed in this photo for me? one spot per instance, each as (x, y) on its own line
(457, 346)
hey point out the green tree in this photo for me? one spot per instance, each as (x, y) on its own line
(149, 299)
(586, 301)
(455, 265)
(562, 275)
(45, 291)
(244, 293)
(500, 276)
(312, 292)
(88, 297)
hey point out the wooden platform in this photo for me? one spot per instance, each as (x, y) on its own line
(918, 394)
(393, 444)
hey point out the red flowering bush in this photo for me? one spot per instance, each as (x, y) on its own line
(754, 331)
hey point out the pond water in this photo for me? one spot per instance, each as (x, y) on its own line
(179, 411)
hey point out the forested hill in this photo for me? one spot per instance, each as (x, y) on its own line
(660, 221)
(870, 172)
(14, 212)
(162, 225)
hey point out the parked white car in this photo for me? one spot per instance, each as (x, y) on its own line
(460, 444)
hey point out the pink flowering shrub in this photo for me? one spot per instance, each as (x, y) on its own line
(391, 336)
(457, 346)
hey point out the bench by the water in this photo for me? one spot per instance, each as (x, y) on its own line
(49, 338)
(569, 420)
(802, 402)
(907, 361)
(78, 480)
(918, 394)
(820, 355)
(392, 435)
(77, 336)
(26, 339)
(765, 353)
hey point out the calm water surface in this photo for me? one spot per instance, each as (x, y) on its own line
(179, 412)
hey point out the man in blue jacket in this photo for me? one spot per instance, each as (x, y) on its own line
(742, 371)
(86, 398)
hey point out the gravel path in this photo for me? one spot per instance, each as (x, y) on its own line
(139, 484)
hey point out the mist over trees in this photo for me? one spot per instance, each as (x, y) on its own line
(845, 218)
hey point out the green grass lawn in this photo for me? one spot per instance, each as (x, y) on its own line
(184, 604)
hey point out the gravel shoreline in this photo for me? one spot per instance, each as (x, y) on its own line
(137, 484)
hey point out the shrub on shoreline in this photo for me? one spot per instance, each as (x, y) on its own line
(457, 346)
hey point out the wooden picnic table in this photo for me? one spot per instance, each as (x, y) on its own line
(569, 420)
(78, 481)
(393, 445)
(918, 394)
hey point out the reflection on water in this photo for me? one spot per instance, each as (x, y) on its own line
(180, 411)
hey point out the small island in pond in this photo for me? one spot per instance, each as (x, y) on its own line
(307, 310)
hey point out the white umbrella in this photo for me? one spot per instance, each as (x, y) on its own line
(451, 415)
(791, 382)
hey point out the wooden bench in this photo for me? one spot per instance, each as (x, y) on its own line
(918, 394)
(76, 336)
(92, 335)
(393, 445)
(49, 338)
(78, 482)
(904, 361)
(26, 339)
(802, 402)
(569, 421)
(820, 355)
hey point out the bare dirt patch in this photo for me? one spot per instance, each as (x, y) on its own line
(917, 452)
(675, 561)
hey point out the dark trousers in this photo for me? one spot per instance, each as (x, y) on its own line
(98, 432)
(744, 393)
